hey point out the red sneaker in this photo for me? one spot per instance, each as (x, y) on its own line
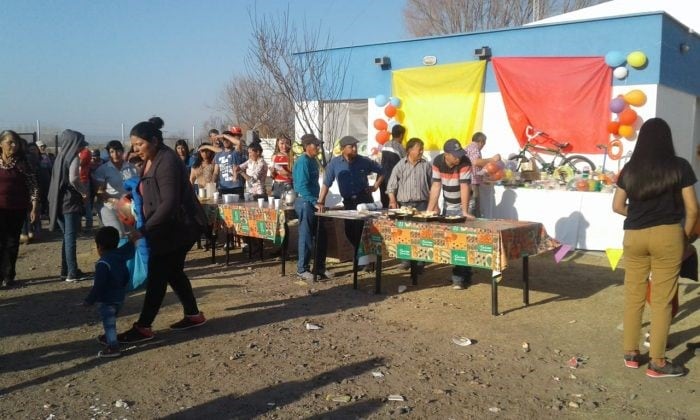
(189, 321)
(136, 334)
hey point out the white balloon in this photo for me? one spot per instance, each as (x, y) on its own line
(620, 72)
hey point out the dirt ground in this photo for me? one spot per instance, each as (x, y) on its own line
(255, 358)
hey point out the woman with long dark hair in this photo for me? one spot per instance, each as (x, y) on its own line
(655, 192)
(19, 192)
(183, 152)
(166, 193)
(202, 171)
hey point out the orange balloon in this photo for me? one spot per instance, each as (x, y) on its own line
(491, 168)
(613, 127)
(390, 110)
(382, 137)
(628, 117)
(626, 131)
(124, 213)
(380, 124)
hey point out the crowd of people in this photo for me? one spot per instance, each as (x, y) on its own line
(655, 192)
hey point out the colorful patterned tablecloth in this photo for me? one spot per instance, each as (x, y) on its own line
(247, 219)
(479, 243)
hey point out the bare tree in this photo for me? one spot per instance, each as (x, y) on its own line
(285, 58)
(257, 106)
(443, 17)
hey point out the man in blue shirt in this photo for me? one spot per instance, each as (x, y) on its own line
(351, 171)
(305, 174)
(224, 162)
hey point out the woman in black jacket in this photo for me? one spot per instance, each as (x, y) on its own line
(167, 196)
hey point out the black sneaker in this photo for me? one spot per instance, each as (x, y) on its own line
(189, 321)
(109, 352)
(669, 370)
(135, 335)
(78, 276)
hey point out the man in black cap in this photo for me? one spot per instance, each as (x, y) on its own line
(351, 171)
(452, 175)
(305, 174)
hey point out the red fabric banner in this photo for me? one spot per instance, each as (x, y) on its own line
(566, 97)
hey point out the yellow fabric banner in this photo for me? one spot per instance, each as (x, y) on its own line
(441, 102)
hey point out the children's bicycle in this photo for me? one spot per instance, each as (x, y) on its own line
(532, 150)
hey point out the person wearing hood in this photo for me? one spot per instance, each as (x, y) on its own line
(67, 194)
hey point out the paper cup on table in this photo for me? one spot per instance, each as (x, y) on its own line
(228, 198)
(235, 198)
(216, 196)
(277, 203)
(270, 201)
(248, 196)
(202, 193)
(261, 202)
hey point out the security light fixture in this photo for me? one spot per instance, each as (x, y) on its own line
(383, 62)
(483, 53)
(684, 48)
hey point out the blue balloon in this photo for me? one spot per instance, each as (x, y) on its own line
(615, 59)
(395, 101)
(380, 100)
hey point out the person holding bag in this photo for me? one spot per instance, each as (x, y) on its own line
(171, 226)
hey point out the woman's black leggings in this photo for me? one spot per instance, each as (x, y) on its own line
(163, 270)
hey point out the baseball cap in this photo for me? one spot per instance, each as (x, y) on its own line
(95, 153)
(453, 147)
(348, 140)
(235, 130)
(40, 144)
(307, 139)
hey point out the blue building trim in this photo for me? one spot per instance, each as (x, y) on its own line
(656, 34)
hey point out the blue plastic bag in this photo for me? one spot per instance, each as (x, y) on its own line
(138, 266)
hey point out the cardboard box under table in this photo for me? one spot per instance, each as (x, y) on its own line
(486, 244)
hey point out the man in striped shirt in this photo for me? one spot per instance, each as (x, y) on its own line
(452, 176)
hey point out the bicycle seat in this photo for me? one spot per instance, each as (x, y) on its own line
(561, 145)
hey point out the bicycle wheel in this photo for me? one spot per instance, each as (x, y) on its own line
(578, 163)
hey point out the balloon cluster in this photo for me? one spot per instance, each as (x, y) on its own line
(617, 60)
(395, 116)
(627, 121)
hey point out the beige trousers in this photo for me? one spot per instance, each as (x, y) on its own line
(657, 250)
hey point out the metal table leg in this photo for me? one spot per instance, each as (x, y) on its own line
(315, 266)
(285, 244)
(414, 272)
(229, 240)
(212, 244)
(354, 267)
(526, 281)
(378, 275)
(496, 277)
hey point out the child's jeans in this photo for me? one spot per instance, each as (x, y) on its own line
(108, 313)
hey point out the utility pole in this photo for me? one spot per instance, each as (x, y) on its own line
(38, 130)
(122, 133)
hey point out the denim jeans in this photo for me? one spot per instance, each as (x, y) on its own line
(108, 313)
(88, 214)
(460, 274)
(69, 223)
(307, 226)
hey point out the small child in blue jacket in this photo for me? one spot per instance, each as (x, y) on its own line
(109, 288)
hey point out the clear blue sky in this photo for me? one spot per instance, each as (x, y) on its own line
(92, 65)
